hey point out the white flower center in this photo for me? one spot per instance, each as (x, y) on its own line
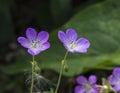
(88, 87)
(72, 45)
(35, 44)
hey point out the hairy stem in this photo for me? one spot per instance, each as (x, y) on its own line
(61, 70)
(32, 78)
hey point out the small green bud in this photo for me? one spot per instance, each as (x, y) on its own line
(63, 62)
(37, 69)
(66, 68)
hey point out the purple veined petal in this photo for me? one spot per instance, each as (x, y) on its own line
(112, 80)
(62, 36)
(83, 42)
(94, 90)
(117, 88)
(80, 50)
(79, 89)
(81, 80)
(92, 79)
(33, 52)
(31, 34)
(71, 34)
(43, 36)
(82, 45)
(24, 42)
(45, 46)
(116, 72)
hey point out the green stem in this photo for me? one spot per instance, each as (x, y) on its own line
(59, 79)
(65, 55)
(61, 70)
(32, 78)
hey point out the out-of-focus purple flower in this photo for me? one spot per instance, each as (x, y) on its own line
(35, 43)
(72, 43)
(114, 79)
(86, 86)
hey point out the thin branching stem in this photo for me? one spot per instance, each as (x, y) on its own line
(61, 70)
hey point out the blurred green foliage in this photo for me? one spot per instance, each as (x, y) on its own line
(100, 23)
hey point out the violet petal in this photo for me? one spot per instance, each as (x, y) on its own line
(31, 34)
(92, 79)
(33, 52)
(43, 36)
(81, 80)
(62, 36)
(45, 46)
(117, 88)
(23, 41)
(114, 81)
(71, 34)
(94, 90)
(116, 72)
(79, 89)
(81, 45)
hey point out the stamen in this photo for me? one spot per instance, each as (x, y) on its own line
(88, 87)
(35, 43)
(72, 45)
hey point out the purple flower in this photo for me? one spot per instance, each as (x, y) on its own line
(86, 86)
(72, 43)
(114, 79)
(35, 43)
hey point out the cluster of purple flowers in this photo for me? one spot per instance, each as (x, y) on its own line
(36, 43)
(90, 86)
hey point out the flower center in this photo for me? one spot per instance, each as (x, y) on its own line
(72, 45)
(88, 87)
(35, 44)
